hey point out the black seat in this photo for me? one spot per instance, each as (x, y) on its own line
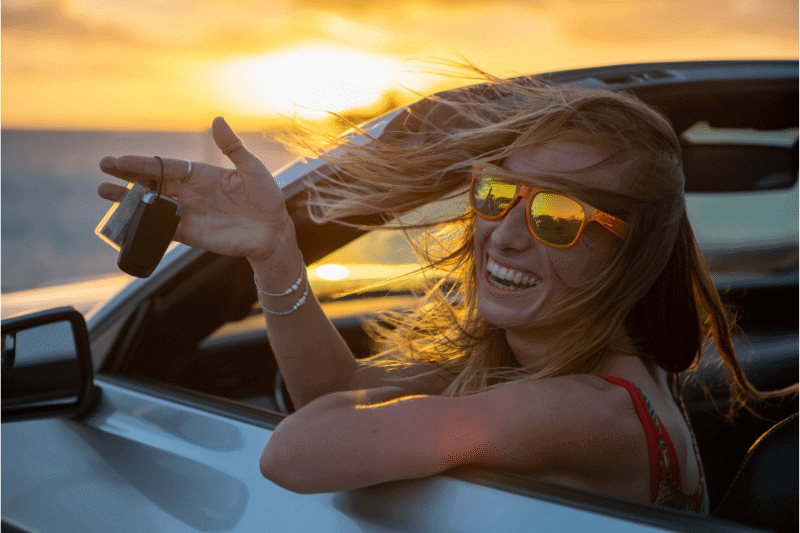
(764, 491)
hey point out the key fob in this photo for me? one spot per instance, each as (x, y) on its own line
(151, 230)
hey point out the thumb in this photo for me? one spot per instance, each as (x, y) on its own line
(232, 146)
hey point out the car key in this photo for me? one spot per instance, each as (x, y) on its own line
(140, 227)
(151, 230)
(114, 226)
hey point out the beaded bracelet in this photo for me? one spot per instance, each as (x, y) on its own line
(288, 291)
(291, 289)
(297, 305)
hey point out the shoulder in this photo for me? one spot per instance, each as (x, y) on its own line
(576, 423)
(582, 395)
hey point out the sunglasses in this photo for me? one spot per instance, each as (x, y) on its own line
(553, 218)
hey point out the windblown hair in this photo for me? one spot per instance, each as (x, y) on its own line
(654, 298)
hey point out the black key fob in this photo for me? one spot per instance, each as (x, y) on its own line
(151, 230)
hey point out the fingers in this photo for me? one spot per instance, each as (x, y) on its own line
(144, 169)
(111, 191)
(147, 170)
(232, 146)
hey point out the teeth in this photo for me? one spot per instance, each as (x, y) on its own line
(513, 276)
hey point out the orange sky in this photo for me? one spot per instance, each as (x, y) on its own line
(168, 64)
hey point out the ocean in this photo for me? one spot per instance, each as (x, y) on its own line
(49, 204)
(50, 207)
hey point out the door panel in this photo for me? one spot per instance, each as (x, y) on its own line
(143, 463)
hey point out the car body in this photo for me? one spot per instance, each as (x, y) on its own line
(186, 391)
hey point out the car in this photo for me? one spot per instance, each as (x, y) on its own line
(150, 413)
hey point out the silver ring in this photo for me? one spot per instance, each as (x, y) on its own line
(189, 169)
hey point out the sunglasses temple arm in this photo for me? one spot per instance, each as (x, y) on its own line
(612, 224)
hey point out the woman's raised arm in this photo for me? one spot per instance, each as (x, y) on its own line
(242, 212)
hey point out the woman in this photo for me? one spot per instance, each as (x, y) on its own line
(553, 344)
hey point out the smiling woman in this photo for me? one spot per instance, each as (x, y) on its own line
(549, 349)
(309, 81)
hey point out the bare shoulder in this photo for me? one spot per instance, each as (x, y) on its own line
(581, 395)
(570, 425)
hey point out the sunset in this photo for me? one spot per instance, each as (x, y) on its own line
(83, 79)
(163, 65)
(377, 266)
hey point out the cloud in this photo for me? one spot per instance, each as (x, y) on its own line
(45, 19)
(350, 6)
(231, 27)
(597, 20)
(615, 21)
(205, 29)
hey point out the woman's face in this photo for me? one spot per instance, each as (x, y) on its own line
(544, 275)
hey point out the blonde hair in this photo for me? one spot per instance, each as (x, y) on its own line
(655, 297)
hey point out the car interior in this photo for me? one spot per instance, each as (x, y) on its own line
(203, 331)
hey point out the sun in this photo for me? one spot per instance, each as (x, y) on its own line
(308, 81)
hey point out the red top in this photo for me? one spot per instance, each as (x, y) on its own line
(665, 472)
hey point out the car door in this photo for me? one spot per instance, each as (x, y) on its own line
(152, 458)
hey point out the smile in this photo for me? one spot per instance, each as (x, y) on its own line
(508, 279)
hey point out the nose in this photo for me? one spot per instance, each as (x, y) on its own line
(511, 233)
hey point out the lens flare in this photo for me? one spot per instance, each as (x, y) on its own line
(332, 272)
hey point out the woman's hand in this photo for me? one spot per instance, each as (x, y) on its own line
(237, 212)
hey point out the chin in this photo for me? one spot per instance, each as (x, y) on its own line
(503, 317)
(506, 310)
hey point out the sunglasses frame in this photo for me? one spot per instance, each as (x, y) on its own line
(528, 193)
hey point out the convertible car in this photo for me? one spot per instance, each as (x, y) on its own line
(150, 413)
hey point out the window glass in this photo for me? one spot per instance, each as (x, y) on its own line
(748, 234)
(376, 262)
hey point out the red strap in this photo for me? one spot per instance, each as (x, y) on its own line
(652, 433)
(672, 455)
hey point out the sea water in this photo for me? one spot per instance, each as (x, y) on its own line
(50, 206)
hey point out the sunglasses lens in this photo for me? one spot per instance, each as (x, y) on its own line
(556, 219)
(492, 196)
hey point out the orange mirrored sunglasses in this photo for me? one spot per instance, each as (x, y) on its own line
(553, 218)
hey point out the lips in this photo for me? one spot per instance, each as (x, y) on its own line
(509, 279)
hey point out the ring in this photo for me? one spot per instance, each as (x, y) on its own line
(232, 148)
(186, 177)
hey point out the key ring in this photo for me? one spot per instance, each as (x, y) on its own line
(160, 177)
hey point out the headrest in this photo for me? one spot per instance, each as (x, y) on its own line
(764, 491)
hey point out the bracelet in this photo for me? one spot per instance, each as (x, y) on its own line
(297, 305)
(291, 289)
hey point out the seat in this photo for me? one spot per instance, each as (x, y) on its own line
(764, 491)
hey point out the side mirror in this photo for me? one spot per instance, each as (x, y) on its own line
(46, 365)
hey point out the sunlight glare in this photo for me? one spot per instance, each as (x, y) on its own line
(308, 81)
(332, 272)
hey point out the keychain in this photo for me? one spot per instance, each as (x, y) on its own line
(141, 227)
